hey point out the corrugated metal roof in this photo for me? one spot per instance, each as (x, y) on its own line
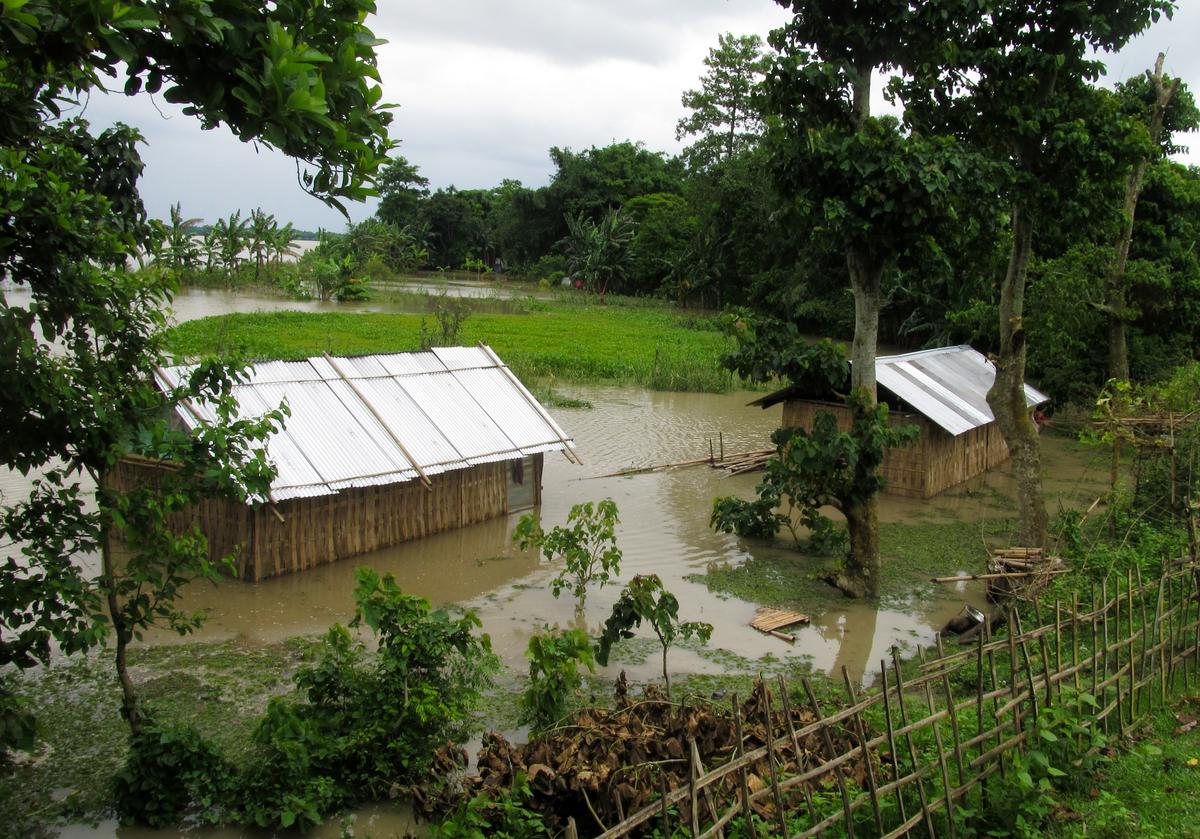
(374, 420)
(948, 385)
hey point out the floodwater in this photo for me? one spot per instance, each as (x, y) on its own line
(664, 530)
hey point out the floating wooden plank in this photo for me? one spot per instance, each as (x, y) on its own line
(769, 620)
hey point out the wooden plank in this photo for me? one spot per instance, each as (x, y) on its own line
(767, 620)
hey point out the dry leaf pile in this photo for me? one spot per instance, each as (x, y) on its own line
(604, 764)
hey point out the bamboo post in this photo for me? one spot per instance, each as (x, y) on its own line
(665, 813)
(979, 682)
(995, 684)
(860, 732)
(771, 766)
(831, 753)
(739, 751)
(912, 748)
(693, 798)
(1013, 670)
(1075, 639)
(1058, 644)
(891, 736)
(941, 750)
(572, 831)
(1103, 653)
(791, 730)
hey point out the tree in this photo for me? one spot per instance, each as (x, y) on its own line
(260, 234)
(401, 190)
(1016, 87)
(231, 234)
(866, 187)
(645, 600)
(179, 250)
(81, 357)
(723, 115)
(587, 547)
(1150, 96)
(598, 251)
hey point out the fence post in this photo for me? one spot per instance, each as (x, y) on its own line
(801, 763)
(887, 716)
(860, 731)
(739, 751)
(912, 748)
(832, 754)
(771, 767)
(941, 749)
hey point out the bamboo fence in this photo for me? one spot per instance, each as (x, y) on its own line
(922, 744)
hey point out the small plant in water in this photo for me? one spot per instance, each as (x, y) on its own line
(645, 599)
(554, 658)
(587, 547)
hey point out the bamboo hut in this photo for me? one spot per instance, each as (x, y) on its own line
(941, 391)
(377, 450)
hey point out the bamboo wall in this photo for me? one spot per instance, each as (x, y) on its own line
(934, 462)
(301, 533)
(914, 756)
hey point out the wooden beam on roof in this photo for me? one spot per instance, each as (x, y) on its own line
(568, 452)
(379, 418)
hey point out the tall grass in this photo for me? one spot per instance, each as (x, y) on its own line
(641, 345)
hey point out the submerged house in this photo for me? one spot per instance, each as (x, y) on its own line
(944, 393)
(377, 450)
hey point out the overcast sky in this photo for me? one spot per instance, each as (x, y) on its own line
(486, 88)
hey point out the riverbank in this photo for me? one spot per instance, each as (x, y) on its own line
(653, 346)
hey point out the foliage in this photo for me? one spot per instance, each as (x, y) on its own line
(504, 814)
(554, 659)
(81, 355)
(171, 770)
(645, 600)
(18, 726)
(450, 313)
(723, 115)
(598, 251)
(587, 547)
(366, 724)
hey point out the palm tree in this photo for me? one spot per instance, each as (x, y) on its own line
(283, 243)
(231, 236)
(179, 248)
(260, 233)
(598, 252)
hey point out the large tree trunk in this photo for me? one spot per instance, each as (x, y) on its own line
(129, 704)
(1007, 395)
(860, 573)
(1115, 302)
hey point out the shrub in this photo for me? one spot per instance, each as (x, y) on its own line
(169, 770)
(587, 547)
(554, 658)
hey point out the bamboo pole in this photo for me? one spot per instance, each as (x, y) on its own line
(891, 737)
(860, 733)
(912, 749)
(801, 762)
(743, 783)
(771, 765)
(941, 754)
(832, 754)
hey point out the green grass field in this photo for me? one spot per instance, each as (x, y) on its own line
(654, 347)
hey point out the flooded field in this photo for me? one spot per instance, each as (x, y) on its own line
(664, 530)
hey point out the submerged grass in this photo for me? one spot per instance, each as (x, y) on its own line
(911, 554)
(650, 346)
(221, 688)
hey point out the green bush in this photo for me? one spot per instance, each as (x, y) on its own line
(368, 723)
(554, 658)
(587, 547)
(169, 771)
(502, 815)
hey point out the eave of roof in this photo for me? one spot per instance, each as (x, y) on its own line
(947, 385)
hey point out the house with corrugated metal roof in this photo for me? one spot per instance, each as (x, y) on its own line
(377, 450)
(944, 393)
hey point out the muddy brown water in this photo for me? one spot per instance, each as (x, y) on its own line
(664, 530)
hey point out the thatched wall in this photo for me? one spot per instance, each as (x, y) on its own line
(935, 461)
(302, 533)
